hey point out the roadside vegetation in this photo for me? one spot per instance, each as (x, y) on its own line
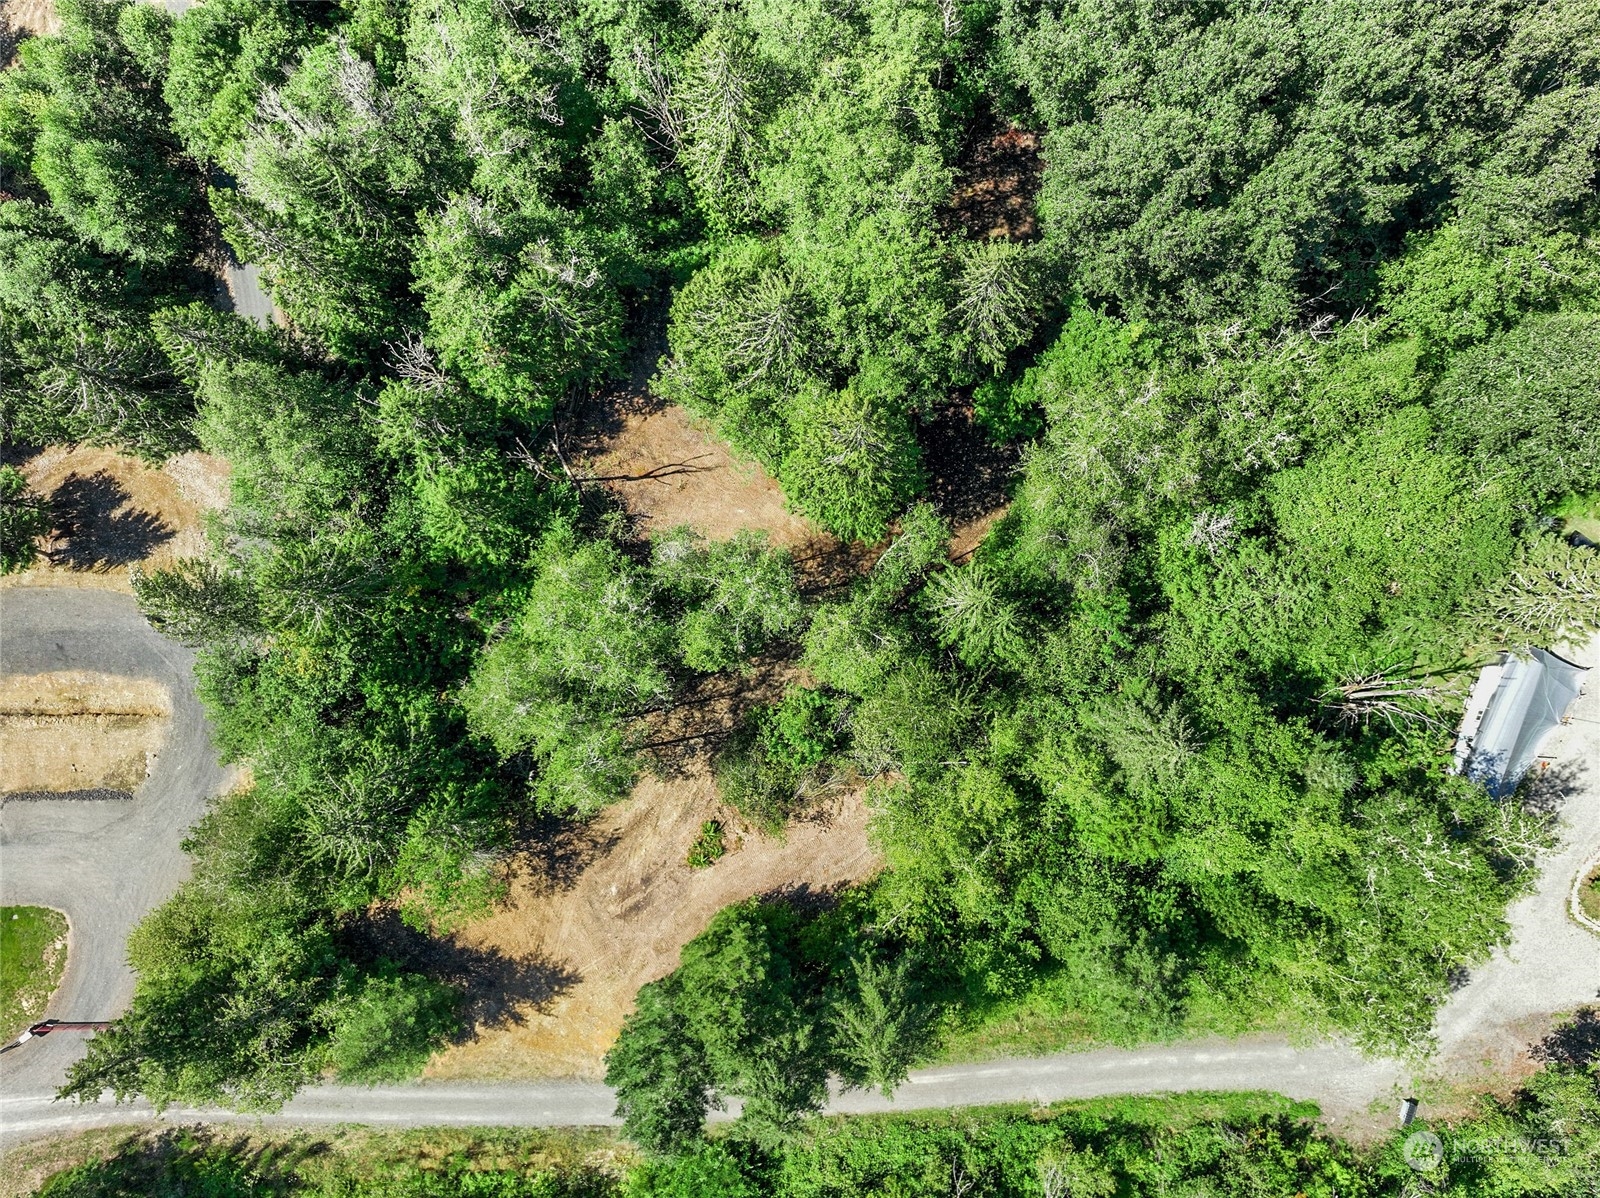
(33, 952)
(1543, 1143)
(1296, 352)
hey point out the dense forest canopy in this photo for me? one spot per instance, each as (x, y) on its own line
(1296, 348)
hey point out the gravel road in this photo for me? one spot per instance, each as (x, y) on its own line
(246, 293)
(1552, 964)
(104, 863)
(107, 863)
(1340, 1080)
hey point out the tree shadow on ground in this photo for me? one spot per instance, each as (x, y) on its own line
(96, 535)
(11, 39)
(191, 1160)
(824, 564)
(553, 851)
(968, 474)
(499, 989)
(587, 425)
(806, 898)
(1576, 1042)
(1548, 786)
(1000, 171)
(706, 712)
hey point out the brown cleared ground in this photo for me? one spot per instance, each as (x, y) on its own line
(668, 469)
(75, 730)
(114, 511)
(37, 17)
(608, 909)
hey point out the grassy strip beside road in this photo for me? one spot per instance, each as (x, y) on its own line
(357, 1162)
(350, 1161)
(33, 952)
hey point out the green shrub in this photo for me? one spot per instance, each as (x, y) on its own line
(803, 730)
(708, 847)
(776, 753)
(753, 783)
(386, 1030)
(854, 462)
(700, 1172)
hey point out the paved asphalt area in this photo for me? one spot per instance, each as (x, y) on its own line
(107, 863)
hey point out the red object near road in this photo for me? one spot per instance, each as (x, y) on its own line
(54, 1025)
(63, 1025)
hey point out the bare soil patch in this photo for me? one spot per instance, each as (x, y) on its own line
(1000, 173)
(21, 19)
(668, 469)
(114, 511)
(74, 730)
(603, 909)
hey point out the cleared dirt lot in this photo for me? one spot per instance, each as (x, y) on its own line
(609, 908)
(114, 511)
(668, 468)
(73, 730)
(31, 16)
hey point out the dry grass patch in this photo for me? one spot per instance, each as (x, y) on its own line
(114, 511)
(603, 911)
(76, 730)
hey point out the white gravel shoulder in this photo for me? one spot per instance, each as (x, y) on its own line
(1552, 963)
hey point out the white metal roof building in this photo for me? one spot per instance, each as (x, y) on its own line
(1514, 705)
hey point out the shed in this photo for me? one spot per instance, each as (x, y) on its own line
(1514, 705)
